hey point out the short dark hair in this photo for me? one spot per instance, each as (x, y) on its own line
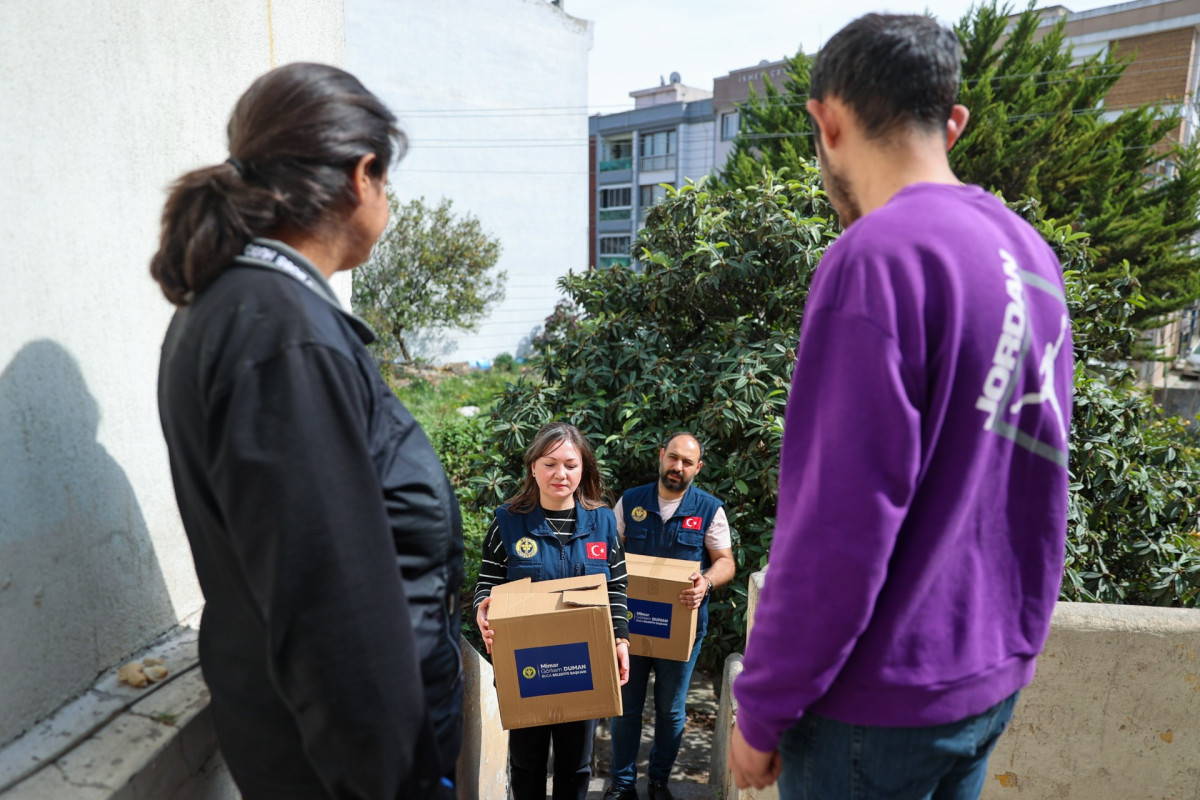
(891, 70)
(667, 442)
(295, 137)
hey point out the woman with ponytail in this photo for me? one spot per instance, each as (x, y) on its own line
(325, 534)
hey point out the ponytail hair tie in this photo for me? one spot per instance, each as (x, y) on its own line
(237, 165)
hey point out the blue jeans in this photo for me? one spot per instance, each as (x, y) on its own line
(671, 679)
(828, 760)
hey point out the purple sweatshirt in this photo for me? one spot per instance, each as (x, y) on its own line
(919, 541)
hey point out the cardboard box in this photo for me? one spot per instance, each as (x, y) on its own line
(659, 625)
(554, 653)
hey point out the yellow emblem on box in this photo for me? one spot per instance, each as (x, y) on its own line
(526, 547)
(628, 615)
(638, 514)
(529, 672)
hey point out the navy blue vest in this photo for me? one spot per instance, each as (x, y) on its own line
(534, 550)
(681, 536)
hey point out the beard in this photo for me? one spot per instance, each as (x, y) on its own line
(673, 480)
(841, 196)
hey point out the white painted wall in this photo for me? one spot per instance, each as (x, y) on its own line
(103, 105)
(454, 71)
(696, 150)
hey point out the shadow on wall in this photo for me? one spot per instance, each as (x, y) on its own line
(435, 345)
(80, 585)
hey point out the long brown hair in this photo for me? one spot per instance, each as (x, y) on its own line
(294, 139)
(590, 493)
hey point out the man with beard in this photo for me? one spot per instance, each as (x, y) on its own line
(672, 519)
(921, 519)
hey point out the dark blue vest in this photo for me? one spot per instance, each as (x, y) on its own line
(534, 550)
(681, 536)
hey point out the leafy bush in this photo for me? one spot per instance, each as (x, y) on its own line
(703, 339)
(505, 363)
(1134, 510)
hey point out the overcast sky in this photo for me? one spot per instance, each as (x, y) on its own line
(637, 41)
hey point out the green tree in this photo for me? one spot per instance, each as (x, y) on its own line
(775, 131)
(703, 338)
(1040, 128)
(430, 270)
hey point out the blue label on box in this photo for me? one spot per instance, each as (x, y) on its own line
(647, 618)
(555, 669)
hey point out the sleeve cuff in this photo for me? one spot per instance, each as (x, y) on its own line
(757, 735)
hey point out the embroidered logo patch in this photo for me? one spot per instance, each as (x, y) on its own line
(597, 550)
(692, 523)
(526, 547)
(638, 514)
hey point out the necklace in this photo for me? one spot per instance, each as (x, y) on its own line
(564, 524)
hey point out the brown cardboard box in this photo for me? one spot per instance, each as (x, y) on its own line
(659, 625)
(553, 653)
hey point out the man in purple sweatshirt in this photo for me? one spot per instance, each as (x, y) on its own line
(923, 484)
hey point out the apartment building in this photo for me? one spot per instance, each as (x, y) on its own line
(730, 92)
(665, 139)
(673, 133)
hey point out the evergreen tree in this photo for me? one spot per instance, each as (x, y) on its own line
(1039, 128)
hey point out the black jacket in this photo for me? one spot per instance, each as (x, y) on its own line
(326, 538)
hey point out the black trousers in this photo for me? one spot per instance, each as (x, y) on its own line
(529, 752)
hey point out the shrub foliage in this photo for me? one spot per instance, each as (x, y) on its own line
(703, 338)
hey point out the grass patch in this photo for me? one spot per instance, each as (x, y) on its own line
(434, 400)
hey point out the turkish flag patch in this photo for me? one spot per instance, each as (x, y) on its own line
(692, 523)
(597, 550)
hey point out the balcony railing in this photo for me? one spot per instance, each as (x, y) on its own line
(614, 164)
(615, 213)
(652, 163)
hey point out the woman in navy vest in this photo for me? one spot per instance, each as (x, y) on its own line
(556, 526)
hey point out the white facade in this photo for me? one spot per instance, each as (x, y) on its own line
(493, 97)
(696, 151)
(103, 105)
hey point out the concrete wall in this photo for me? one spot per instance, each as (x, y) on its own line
(493, 95)
(1179, 401)
(483, 761)
(122, 743)
(696, 150)
(103, 104)
(1112, 714)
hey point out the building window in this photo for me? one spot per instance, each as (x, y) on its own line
(614, 245)
(615, 203)
(649, 196)
(617, 197)
(658, 151)
(730, 123)
(614, 251)
(617, 154)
